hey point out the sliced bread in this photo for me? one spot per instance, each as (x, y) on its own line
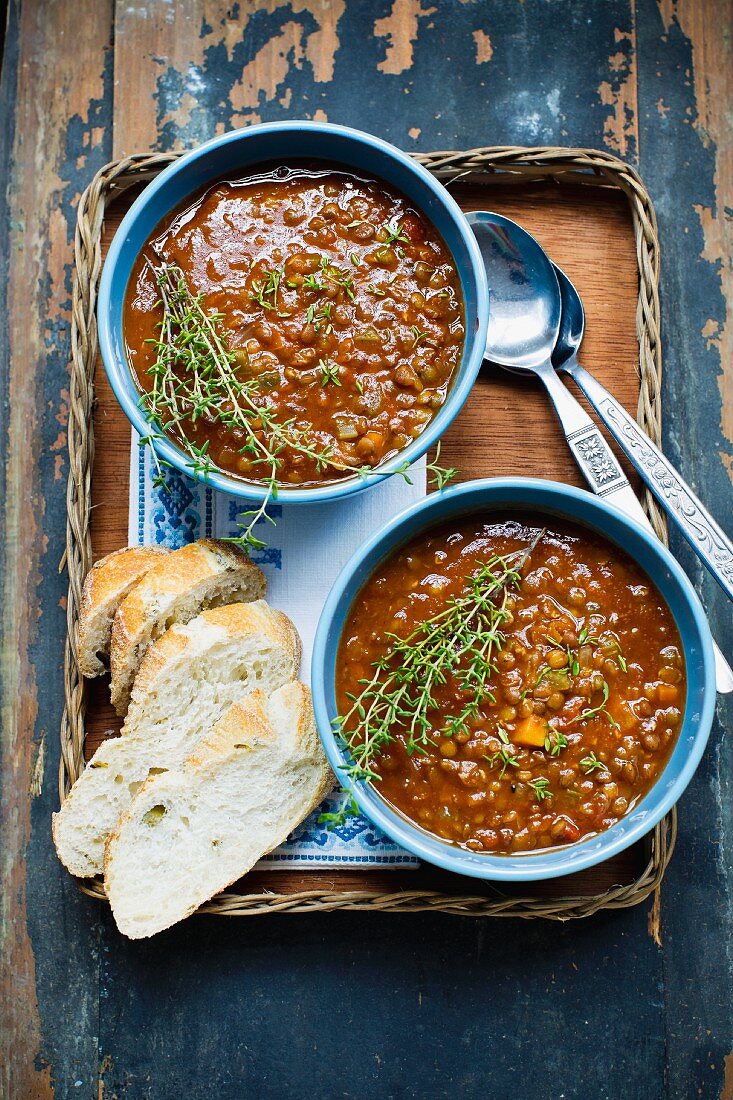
(190, 833)
(106, 585)
(188, 678)
(203, 574)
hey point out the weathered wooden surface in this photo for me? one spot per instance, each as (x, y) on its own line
(354, 1005)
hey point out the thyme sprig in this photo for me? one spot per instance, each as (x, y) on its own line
(601, 708)
(457, 645)
(541, 788)
(440, 475)
(555, 742)
(590, 763)
(196, 377)
(394, 232)
(504, 754)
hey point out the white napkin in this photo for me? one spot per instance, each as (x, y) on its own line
(305, 552)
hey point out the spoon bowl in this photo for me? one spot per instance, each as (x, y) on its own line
(526, 307)
(572, 323)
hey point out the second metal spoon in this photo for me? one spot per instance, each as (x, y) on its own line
(704, 535)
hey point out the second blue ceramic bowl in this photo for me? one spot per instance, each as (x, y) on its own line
(526, 496)
(242, 151)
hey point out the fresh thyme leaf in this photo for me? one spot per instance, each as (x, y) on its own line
(417, 335)
(586, 638)
(590, 763)
(323, 314)
(507, 760)
(555, 742)
(541, 788)
(196, 373)
(345, 282)
(265, 290)
(600, 709)
(459, 645)
(395, 233)
(349, 808)
(441, 475)
(329, 372)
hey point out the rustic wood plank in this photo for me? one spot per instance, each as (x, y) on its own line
(53, 99)
(685, 85)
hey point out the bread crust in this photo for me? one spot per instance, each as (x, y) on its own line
(224, 628)
(155, 594)
(245, 723)
(105, 586)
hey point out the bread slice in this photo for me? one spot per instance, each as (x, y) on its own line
(203, 574)
(106, 585)
(190, 833)
(188, 678)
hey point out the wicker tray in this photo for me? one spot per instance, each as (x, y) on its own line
(594, 214)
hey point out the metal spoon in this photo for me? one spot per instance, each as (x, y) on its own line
(706, 538)
(524, 327)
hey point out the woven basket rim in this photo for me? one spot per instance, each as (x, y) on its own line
(588, 167)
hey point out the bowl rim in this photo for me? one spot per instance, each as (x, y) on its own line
(120, 374)
(549, 863)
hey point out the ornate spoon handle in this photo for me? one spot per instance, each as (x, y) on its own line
(603, 473)
(704, 535)
(595, 458)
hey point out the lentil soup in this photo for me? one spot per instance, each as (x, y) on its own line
(510, 705)
(338, 310)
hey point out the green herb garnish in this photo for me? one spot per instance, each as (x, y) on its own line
(417, 335)
(441, 475)
(459, 643)
(600, 709)
(196, 374)
(555, 742)
(329, 372)
(265, 290)
(541, 788)
(590, 763)
(395, 233)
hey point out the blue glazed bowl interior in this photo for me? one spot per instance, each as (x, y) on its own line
(240, 152)
(482, 499)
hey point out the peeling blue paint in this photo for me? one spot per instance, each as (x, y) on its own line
(679, 169)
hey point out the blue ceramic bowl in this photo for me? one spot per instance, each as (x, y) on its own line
(481, 498)
(239, 152)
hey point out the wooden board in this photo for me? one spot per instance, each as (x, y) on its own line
(506, 428)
